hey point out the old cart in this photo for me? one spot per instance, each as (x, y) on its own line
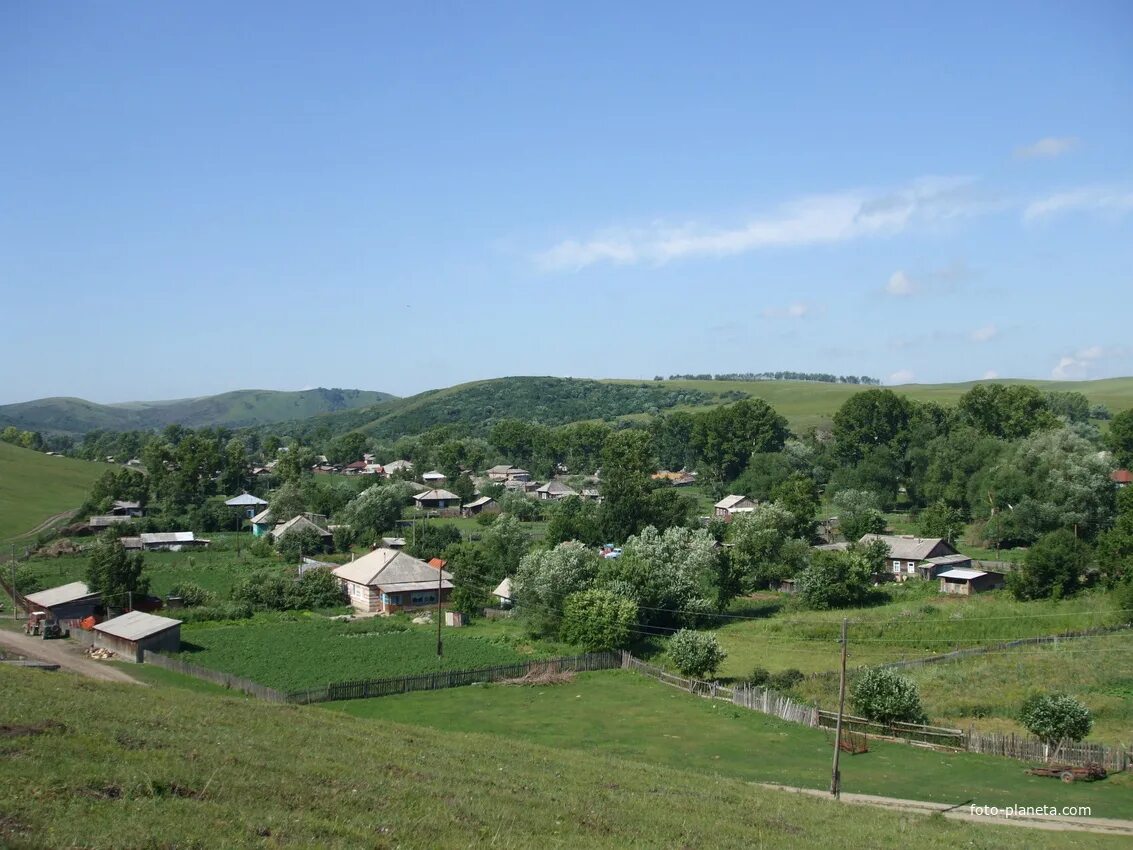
(1069, 772)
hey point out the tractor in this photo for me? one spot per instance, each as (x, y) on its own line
(39, 624)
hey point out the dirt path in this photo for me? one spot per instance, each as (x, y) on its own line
(61, 652)
(45, 524)
(1059, 823)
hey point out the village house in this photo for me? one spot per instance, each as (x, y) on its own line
(437, 499)
(357, 467)
(729, 506)
(553, 490)
(907, 551)
(504, 472)
(434, 478)
(251, 505)
(262, 523)
(483, 505)
(521, 485)
(1121, 477)
(393, 542)
(135, 632)
(591, 494)
(124, 508)
(386, 581)
(302, 521)
(396, 466)
(968, 582)
(98, 523)
(503, 593)
(930, 568)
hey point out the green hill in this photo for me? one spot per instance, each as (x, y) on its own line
(105, 765)
(35, 486)
(474, 407)
(238, 409)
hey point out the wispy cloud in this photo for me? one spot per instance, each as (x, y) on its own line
(1089, 199)
(990, 375)
(1083, 363)
(806, 221)
(984, 334)
(794, 310)
(902, 376)
(1047, 148)
(900, 285)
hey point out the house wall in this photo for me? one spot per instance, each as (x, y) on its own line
(427, 599)
(363, 598)
(129, 650)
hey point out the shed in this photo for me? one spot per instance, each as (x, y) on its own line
(251, 505)
(966, 582)
(171, 541)
(485, 504)
(437, 499)
(135, 632)
(72, 601)
(503, 593)
(930, 568)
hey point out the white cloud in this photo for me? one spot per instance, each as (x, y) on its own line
(806, 221)
(795, 310)
(900, 285)
(990, 375)
(984, 334)
(1089, 199)
(902, 376)
(1047, 148)
(1079, 364)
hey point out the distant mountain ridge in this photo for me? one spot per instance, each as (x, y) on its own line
(236, 409)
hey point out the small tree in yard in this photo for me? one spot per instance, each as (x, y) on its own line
(883, 696)
(696, 654)
(1055, 719)
(115, 573)
(298, 542)
(597, 620)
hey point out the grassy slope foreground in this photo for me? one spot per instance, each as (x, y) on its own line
(34, 487)
(165, 767)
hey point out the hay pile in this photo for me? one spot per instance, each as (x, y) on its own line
(542, 674)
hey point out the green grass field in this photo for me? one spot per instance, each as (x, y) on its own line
(216, 568)
(629, 716)
(986, 691)
(164, 767)
(34, 487)
(917, 622)
(291, 652)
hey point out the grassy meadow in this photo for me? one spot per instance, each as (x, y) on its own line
(34, 487)
(138, 767)
(622, 714)
(986, 691)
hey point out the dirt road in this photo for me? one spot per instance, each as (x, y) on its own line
(1060, 823)
(62, 652)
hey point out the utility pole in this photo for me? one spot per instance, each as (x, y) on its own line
(15, 607)
(440, 645)
(836, 776)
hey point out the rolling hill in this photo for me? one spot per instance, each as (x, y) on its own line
(35, 486)
(475, 407)
(237, 409)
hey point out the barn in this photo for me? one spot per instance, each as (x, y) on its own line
(133, 633)
(67, 602)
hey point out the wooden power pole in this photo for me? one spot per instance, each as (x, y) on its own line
(440, 644)
(836, 775)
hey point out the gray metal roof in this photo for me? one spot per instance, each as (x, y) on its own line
(433, 495)
(389, 567)
(158, 537)
(557, 488)
(483, 500)
(296, 523)
(964, 574)
(61, 595)
(136, 625)
(102, 521)
(906, 547)
(415, 585)
(245, 500)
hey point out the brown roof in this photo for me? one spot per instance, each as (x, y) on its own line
(1122, 476)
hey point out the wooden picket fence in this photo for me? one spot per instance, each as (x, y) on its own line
(368, 688)
(1026, 748)
(909, 732)
(225, 680)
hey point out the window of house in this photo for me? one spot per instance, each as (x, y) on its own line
(423, 598)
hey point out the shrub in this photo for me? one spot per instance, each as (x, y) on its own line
(317, 588)
(223, 611)
(261, 548)
(759, 676)
(886, 697)
(696, 654)
(299, 542)
(784, 680)
(597, 620)
(1056, 718)
(192, 595)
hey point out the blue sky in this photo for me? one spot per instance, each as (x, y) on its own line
(211, 196)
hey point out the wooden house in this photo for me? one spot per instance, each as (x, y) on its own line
(437, 499)
(906, 551)
(249, 504)
(483, 505)
(728, 507)
(553, 490)
(386, 581)
(135, 632)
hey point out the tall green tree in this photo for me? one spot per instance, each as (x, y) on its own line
(115, 573)
(1052, 569)
(1119, 438)
(726, 437)
(1008, 411)
(871, 419)
(627, 463)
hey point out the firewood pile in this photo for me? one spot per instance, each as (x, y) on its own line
(100, 654)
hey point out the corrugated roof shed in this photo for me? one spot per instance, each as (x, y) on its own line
(136, 625)
(154, 538)
(60, 595)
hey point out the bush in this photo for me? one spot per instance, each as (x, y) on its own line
(261, 548)
(784, 680)
(597, 620)
(696, 654)
(223, 611)
(885, 697)
(836, 580)
(192, 595)
(1056, 718)
(317, 588)
(759, 676)
(299, 542)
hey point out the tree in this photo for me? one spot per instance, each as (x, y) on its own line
(598, 620)
(695, 654)
(870, 419)
(940, 520)
(1052, 567)
(297, 542)
(1070, 406)
(430, 539)
(288, 501)
(885, 697)
(504, 543)
(760, 552)
(627, 463)
(545, 578)
(836, 580)
(1119, 438)
(376, 510)
(1055, 719)
(858, 514)
(726, 437)
(574, 519)
(1008, 411)
(317, 588)
(799, 496)
(1114, 551)
(472, 577)
(115, 573)
(347, 448)
(463, 487)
